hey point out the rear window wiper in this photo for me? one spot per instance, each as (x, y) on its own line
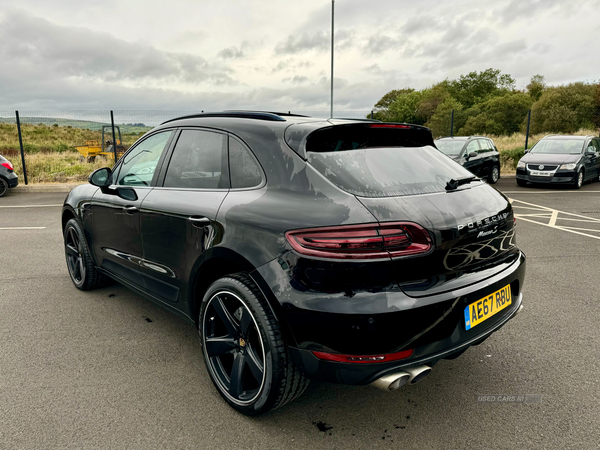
(455, 183)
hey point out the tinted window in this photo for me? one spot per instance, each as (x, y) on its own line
(558, 146)
(472, 146)
(139, 165)
(387, 172)
(596, 144)
(450, 147)
(243, 168)
(199, 161)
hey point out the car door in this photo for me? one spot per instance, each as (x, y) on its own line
(178, 217)
(590, 159)
(117, 241)
(596, 145)
(473, 163)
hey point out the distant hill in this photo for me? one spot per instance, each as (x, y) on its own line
(130, 128)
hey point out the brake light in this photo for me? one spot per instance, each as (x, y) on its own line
(388, 125)
(363, 359)
(368, 241)
(8, 165)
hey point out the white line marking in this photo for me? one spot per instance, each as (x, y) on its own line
(553, 218)
(551, 192)
(23, 228)
(31, 206)
(553, 215)
(560, 228)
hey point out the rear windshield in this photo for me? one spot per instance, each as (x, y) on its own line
(559, 146)
(450, 148)
(388, 171)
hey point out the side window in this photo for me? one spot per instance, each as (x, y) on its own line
(597, 145)
(138, 166)
(484, 145)
(473, 146)
(243, 168)
(199, 161)
(592, 146)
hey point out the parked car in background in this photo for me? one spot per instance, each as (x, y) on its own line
(8, 177)
(477, 154)
(560, 159)
(339, 250)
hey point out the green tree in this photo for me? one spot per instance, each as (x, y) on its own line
(478, 87)
(381, 108)
(564, 109)
(404, 107)
(439, 123)
(536, 87)
(499, 115)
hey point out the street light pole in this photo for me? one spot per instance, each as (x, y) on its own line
(332, 12)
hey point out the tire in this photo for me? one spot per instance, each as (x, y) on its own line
(240, 333)
(79, 261)
(494, 176)
(3, 187)
(521, 183)
(579, 180)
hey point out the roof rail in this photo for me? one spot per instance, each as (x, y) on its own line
(259, 115)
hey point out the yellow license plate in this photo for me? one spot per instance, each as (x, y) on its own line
(486, 307)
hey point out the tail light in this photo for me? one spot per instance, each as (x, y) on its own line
(365, 359)
(368, 241)
(8, 165)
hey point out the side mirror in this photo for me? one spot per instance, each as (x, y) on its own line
(472, 154)
(527, 151)
(101, 177)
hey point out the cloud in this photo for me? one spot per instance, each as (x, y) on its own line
(316, 41)
(231, 53)
(297, 79)
(83, 53)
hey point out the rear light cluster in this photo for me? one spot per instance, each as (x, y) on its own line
(369, 241)
(388, 125)
(8, 165)
(366, 359)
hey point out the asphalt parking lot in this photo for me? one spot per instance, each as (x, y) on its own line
(108, 369)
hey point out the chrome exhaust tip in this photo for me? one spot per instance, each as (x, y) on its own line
(392, 381)
(418, 373)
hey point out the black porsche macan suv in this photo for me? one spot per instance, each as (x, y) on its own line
(339, 250)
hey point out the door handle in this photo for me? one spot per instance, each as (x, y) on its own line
(130, 209)
(199, 222)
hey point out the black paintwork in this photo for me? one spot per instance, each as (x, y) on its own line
(351, 307)
(587, 161)
(483, 162)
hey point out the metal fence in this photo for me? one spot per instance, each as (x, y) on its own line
(48, 146)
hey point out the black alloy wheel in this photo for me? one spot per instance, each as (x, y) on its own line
(79, 262)
(494, 175)
(3, 187)
(245, 354)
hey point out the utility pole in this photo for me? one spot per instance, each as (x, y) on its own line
(332, 13)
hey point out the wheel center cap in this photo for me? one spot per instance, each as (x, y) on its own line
(242, 342)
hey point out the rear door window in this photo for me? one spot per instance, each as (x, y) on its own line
(199, 161)
(373, 165)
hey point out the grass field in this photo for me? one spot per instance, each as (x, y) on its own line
(50, 153)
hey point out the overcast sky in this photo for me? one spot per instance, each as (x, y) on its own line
(275, 55)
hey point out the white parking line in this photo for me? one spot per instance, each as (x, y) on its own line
(548, 217)
(30, 206)
(551, 192)
(23, 228)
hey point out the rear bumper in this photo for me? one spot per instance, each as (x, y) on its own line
(360, 374)
(12, 179)
(381, 320)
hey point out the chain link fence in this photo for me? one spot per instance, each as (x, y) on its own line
(57, 146)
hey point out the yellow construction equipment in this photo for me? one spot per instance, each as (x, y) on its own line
(104, 147)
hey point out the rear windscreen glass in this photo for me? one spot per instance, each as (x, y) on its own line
(388, 171)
